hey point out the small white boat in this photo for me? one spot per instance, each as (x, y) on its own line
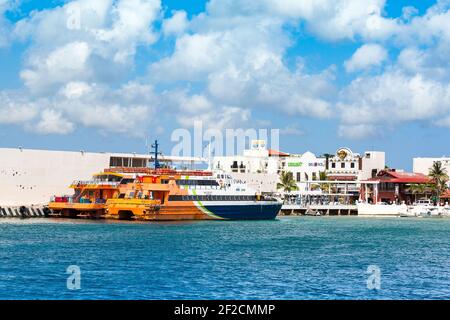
(407, 212)
(311, 212)
(432, 212)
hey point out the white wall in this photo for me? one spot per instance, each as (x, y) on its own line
(258, 181)
(32, 176)
(307, 166)
(372, 160)
(423, 165)
(252, 163)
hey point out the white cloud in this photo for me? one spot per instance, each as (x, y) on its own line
(338, 19)
(221, 118)
(292, 130)
(432, 62)
(85, 40)
(227, 64)
(74, 68)
(52, 122)
(74, 90)
(127, 109)
(190, 108)
(15, 109)
(176, 24)
(366, 56)
(432, 27)
(194, 56)
(391, 98)
(358, 131)
(64, 64)
(241, 63)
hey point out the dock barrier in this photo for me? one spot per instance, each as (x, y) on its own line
(24, 212)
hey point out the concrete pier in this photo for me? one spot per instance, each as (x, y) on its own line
(23, 212)
(324, 210)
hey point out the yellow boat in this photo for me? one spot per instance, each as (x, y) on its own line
(90, 197)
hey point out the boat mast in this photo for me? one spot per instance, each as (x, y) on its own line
(156, 153)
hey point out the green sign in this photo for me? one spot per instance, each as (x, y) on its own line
(295, 164)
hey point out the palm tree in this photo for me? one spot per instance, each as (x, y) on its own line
(287, 182)
(327, 157)
(325, 187)
(440, 178)
(417, 189)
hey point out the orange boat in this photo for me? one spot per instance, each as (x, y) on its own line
(89, 198)
(170, 195)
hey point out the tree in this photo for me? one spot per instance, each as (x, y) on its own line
(287, 182)
(440, 178)
(419, 189)
(327, 157)
(325, 187)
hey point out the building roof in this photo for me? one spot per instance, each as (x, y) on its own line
(401, 177)
(446, 194)
(277, 153)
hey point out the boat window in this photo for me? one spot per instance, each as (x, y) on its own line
(122, 196)
(126, 180)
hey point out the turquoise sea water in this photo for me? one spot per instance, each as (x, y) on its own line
(289, 258)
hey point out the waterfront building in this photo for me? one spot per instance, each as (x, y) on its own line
(391, 186)
(260, 167)
(349, 166)
(304, 169)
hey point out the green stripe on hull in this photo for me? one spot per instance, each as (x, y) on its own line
(200, 205)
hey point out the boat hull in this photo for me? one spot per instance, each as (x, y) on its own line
(188, 210)
(245, 211)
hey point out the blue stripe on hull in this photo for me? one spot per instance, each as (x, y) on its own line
(246, 212)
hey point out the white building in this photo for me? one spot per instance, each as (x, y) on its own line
(423, 165)
(258, 159)
(260, 167)
(304, 168)
(347, 165)
(31, 177)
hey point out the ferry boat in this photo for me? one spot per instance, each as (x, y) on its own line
(90, 196)
(167, 195)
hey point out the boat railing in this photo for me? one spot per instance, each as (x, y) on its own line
(62, 199)
(81, 183)
(73, 199)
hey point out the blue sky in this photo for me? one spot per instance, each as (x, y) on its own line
(103, 76)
